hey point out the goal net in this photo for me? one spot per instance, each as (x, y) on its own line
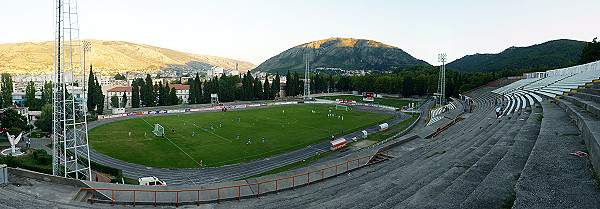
(341, 107)
(158, 130)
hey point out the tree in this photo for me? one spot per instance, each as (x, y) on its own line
(288, 85)
(258, 92)
(47, 93)
(99, 98)
(173, 100)
(192, 91)
(91, 94)
(7, 90)
(276, 86)
(590, 53)
(198, 89)
(162, 95)
(30, 96)
(135, 95)
(120, 77)
(150, 96)
(13, 120)
(46, 111)
(297, 85)
(114, 101)
(267, 90)
(124, 100)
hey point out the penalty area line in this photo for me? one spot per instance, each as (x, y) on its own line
(177, 146)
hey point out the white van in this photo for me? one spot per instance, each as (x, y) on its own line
(151, 181)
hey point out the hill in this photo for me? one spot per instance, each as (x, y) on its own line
(553, 54)
(110, 57)
(345, 53)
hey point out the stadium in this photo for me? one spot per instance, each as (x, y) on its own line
(400, 135)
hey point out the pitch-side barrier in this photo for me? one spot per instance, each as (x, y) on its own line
(201, 196)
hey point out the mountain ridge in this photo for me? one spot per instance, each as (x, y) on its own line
(552, 54)
(109, 57)
(345, 53)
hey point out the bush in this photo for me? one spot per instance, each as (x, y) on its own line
(37, 134)
(42, 157)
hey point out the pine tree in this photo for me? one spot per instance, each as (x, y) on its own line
(198, 90)
(135, 95)
(91, 88)
(297, 85)
(124, 100)
(114, 101)
(99, 98)
(276, 86)
(267, 90)
(7, 90)
(150, 97)
(173, 100)
(258, 91)
(288, 86)
(192, 92)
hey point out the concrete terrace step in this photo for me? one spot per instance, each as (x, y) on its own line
(590, 106)
(445, 165)
(467, 174)
(552, 178)
(585, 96)
(463, 186)
(421, 171)
(500, 182)
(588, 126)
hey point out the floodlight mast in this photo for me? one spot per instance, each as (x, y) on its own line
(307, 74)
(441, 100)
(70, 151)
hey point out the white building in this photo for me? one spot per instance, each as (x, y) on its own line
(182, 92)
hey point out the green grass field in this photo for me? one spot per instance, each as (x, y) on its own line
(220, 146)
(382, 101)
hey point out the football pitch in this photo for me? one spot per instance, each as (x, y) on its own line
(194, 144)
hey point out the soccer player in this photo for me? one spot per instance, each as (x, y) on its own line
(192, 133)
(239, 119)
(238, 136)
(332, 136)
(211, 127)
(184, 122)
(205, 128)
(248, 141)
(130, 134)
(219, 124)
(194, 123)
(263, 140)
(283, 111)
(282, 124)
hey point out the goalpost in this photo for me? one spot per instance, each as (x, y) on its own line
(158, 130)
(341, 106)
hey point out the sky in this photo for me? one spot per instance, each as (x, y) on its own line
(257, 30)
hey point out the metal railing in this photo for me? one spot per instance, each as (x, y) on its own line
(218, 190)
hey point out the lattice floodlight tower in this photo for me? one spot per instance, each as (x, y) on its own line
(70, 151)
(307, 58)
(441, 94)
